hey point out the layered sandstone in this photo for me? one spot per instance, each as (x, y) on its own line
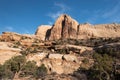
(86, 31)
(65, 27)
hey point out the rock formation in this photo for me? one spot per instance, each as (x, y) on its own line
(7, 52)
(86, 31)
(10, 36)
(43, 32)
(66, 27)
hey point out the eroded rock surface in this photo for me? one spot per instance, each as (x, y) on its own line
(43, 32)
(7, 52)
(64, 27)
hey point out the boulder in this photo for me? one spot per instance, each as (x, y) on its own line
(55, 56)
(60, 66)
(37, 57)
(69, 57)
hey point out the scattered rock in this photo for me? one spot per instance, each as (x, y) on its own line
(55, 56)
(71, 58)
(37, 57)
(60, 66)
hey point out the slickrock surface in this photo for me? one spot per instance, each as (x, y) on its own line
(7, 52)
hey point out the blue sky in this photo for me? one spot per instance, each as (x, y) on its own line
(24, 16)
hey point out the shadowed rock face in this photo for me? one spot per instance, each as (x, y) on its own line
(66, 27)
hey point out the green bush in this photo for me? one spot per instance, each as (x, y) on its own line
(85, 61)
(41, 71)
(11, 67)
(17, 66)
(102, 68)
(29, 69)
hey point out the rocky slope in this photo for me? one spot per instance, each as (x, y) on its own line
(66, 27)
(7, 51)
(65, 56)
(52, 55)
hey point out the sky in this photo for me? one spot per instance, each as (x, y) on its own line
(24, 16)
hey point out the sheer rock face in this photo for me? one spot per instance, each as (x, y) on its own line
(64, 27)
(86, 31)
(43, 32)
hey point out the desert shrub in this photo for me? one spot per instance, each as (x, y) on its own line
(15, 63)
(24, 53)
(17, 66)
(12, 66)
(16, 44)
(29, 69)
(41, 71)
(85, 61)
(113, 51)
(23, 37)
(102, 68)
(34, 50)
(62, 51)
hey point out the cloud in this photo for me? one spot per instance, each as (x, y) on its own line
(50, 23)
(112, 12)
(8, 28)
(26, 32)
(62, 8)
(109, 14)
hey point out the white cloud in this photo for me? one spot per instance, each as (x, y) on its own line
(113, 11)
(108, 14)
(62, 8)
(113, 14)
(50, 23)
(26, 31)
(8, 28)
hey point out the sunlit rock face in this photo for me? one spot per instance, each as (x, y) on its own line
(43, 32)
(86, 31)
(64, 27)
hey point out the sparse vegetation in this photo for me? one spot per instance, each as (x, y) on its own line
(85, 61)
(12, 67)
(29, 69)
(18, 67)
(104, 57)
(41, 71)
